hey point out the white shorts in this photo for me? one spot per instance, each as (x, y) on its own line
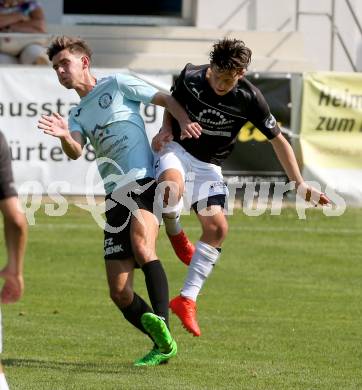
(202, 180)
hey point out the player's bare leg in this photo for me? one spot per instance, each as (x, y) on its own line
(144, 231)
(120, 282)
(182, 246)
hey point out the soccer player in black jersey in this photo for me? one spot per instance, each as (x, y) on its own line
(221, 100)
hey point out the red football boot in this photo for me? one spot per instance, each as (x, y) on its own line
(185, 309)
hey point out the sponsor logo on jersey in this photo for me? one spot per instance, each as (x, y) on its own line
(105, 100)
(78, 112)
(250, 133)
(212, 117)
(270, 122)
(216, 132)
(102, 133)
(197, 93)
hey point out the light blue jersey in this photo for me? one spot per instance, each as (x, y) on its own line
(109, 117)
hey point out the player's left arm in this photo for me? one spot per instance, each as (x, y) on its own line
(15, 228)
(189, 129)
(268, 126)
(287, 158)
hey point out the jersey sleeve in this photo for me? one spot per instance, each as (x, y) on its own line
(261, 117)
(177, 87)
(73, 125)
(135, 89)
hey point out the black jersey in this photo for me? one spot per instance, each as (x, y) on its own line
(7, 187)
(221, 117)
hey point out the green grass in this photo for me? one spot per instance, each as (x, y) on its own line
(282, 310)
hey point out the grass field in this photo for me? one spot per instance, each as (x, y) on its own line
(282, 310)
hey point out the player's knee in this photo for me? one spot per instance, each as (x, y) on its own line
(18, 221)
(221, 231)
(218, 231)
(172, 194)
(121, 297)
(171, 187)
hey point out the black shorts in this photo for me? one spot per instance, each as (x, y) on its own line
(7, 187)
(117, 239)
(214, 200)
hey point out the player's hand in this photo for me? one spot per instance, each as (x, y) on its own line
(190, 130)
(54, 125)
(13, 287)
(162, 138)
(313, 196)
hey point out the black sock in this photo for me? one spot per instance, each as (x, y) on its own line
(133, 312)
(157, 287)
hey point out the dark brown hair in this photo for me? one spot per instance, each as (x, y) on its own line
(74, 45)
(230, 55)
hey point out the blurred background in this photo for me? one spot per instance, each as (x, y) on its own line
(286, 35)
(307, 58)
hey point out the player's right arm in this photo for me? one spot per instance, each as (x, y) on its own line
(165, 134)
(56, 126)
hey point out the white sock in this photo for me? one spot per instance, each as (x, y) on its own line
(172, 223)
(201, 265)
(3, 383)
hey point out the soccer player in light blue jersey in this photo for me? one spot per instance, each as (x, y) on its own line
(108, 116)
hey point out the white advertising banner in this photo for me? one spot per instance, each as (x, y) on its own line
(38, 160)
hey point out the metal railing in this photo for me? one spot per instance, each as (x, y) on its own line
(335, 32)
(234, 12)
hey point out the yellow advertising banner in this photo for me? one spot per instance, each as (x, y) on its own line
(331, 126)
(331, 130)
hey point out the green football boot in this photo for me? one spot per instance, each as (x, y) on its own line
(158, 330)
(155, 357)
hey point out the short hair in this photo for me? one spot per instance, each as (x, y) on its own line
(74, 45)
(230, 55)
